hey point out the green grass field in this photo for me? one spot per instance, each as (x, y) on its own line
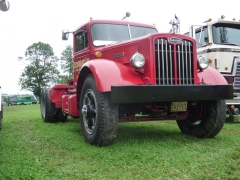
(32, 149)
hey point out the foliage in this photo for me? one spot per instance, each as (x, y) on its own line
(67, 61)
(41, 71)
(32, 149)
(63, 79)
(7, 99)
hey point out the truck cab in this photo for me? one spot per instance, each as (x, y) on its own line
(218, 41)
(127, 72)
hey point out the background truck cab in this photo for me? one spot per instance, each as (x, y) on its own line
(127, 71)
(218, 41)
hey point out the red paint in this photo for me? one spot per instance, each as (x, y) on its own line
(72, 106)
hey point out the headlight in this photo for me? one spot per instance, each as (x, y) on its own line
(202, 62)
(137, 60)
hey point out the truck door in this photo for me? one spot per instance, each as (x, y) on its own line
(81, 51)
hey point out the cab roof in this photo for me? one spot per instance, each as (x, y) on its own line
(123, 22)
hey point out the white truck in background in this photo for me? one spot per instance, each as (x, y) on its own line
(219, 42)
(4, 6)
(1, 108)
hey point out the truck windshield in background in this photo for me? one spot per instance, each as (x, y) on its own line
(227, 34)
(103, 34)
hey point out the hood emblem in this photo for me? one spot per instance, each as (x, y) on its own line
(118, 55)
(174, 40)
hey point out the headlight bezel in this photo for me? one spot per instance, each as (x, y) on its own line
(138, 60)
(202, 62)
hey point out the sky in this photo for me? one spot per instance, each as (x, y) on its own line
(31, 21)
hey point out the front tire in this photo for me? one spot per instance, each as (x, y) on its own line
(205, 120)
(47, 107)
(98, 116)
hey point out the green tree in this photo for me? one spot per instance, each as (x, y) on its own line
(63, 79)
(67, 62)
(7, 99)
(42, 68)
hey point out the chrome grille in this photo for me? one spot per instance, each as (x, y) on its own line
(238, 69)
(174, 67)
(236, 83)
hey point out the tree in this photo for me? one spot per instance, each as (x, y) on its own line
(63, 79)
(7, 99)
(67, 64)
(41, 71)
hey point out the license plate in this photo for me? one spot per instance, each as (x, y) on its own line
(179, 106)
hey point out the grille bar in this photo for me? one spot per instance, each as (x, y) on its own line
(164, 62)
(185, 71)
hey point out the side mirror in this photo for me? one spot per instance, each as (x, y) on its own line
(4, 5)
(65, 34)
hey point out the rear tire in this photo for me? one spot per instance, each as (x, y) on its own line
(47, 107)
(205, 120)
(98, 117)
(60, 116)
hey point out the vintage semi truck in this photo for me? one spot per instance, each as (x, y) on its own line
(127, 72)
(219, 42)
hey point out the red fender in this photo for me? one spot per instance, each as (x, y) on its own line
(107, 73)
(211, 76)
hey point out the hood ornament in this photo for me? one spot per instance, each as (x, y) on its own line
(175, 25)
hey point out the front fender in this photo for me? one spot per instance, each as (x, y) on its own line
(107, 73)
(211, 76)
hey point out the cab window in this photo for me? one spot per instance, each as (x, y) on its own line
(81, 41)
(201, 36)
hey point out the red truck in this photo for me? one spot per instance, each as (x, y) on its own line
(127, 72)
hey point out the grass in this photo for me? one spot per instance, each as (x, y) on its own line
(32, 149)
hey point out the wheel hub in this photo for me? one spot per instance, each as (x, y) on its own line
(88, 111)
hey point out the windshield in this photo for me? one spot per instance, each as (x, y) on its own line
(227, 34)
(103, 34)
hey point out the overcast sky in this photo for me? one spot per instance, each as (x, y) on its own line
(31, 21)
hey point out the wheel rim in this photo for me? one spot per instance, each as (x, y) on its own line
(89, 111)
(199, 115)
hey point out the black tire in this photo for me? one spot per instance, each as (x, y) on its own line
(99, 126)
(206, 120)
(48, 109)
(60, 116)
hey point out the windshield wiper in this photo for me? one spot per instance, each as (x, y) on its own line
(227, 43)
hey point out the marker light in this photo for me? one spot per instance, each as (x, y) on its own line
(234, 19)
(98, 54)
